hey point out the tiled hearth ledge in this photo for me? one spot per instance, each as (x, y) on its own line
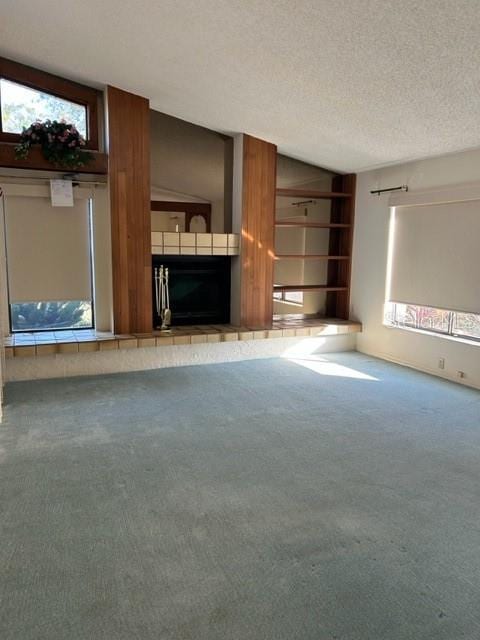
(195, 244)
(84, 341)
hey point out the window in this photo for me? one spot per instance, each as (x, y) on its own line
(49, 261)
(27, 94)
(466, 324)
(433, 258)
(290, 297)
(40, 316)
(440, 321)
(20, 106)
(433, 262)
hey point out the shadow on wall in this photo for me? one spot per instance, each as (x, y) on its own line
(190, 161)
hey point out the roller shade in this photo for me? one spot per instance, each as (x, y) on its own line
(435, 260)
(48, 250)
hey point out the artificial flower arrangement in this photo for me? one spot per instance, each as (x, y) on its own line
(61, 143)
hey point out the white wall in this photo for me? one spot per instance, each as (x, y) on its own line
(188, 159)
(121, 360)
(418, 350)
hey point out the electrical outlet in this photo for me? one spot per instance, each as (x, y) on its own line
(441, 363)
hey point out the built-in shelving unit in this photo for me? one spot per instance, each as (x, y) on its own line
(307, 287)
(340, 230)
(306, 224)
(312, 193)
(301, 256)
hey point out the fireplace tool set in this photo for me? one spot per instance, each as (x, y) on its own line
(162, 297)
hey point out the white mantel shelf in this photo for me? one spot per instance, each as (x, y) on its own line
(195, 244)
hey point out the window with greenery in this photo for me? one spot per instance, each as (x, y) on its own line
(28, 94)
(20, 106)
(41, 316)
(440, 321)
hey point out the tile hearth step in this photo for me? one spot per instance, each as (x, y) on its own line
(87, 341)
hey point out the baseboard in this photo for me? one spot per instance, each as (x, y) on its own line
(418, 367)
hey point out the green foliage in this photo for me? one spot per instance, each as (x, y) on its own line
(17, 116)
(60, 142)
(30, 316)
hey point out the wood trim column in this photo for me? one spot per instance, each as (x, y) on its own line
(258, 232)
(341, 243)
(129, 177)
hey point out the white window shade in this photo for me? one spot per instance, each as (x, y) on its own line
(435, 256)
(48, 250)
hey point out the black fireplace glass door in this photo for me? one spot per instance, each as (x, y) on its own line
(199, 289)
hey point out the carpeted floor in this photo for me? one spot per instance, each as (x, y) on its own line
(259, 500)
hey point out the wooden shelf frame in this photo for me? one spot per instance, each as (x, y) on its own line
(35, 160)
(312, 256)
(340, 243)
(307, 287)
(313, 225)
(312, 193)
(340, 226)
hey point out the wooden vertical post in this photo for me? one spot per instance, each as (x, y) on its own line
(257, 227)
(129, 177)
(341, 241)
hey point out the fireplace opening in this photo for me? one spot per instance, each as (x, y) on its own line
(199, 288)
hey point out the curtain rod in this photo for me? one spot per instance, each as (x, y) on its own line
(47, 180)
(403, 187)
(303, 202)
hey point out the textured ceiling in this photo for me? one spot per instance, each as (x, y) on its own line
(347, 84)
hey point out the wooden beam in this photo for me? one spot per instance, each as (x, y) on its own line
(190, 209)
(257, 228)
(169, 205)
(307, 287)
(341, 241)
(35, 160)
(309, 256)
(312, 193)
(129, 160)
(307, 224)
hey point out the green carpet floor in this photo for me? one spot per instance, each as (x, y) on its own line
(259, 500)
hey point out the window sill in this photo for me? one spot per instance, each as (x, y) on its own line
(293, 304)
(84, 340)
(432, 334)
(35, 160)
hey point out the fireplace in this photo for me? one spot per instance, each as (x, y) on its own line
(199, 289)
